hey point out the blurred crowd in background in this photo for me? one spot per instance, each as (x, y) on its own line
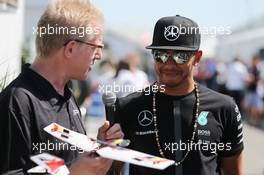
(242, 81)
(233, 63)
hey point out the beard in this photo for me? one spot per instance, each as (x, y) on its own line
(174, 82)
(174, 77)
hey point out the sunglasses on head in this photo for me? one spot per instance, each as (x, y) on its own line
(180, 57)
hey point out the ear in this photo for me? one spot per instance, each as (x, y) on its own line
(69, 48)
(197, 57)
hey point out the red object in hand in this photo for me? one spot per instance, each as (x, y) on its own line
(55, 128)
(55, 164)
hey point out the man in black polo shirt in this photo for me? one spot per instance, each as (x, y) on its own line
(177, 118)
(40, 96)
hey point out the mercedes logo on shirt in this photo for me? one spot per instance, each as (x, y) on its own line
(171, 33)
(145, 118)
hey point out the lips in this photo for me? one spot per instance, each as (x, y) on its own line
(170, 72)
(92, 62)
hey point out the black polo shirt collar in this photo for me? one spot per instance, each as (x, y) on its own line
(45, 87)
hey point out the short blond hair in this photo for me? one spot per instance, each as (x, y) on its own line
(62, 21)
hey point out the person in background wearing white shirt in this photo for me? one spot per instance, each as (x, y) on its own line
(237, 77)
(140, 77)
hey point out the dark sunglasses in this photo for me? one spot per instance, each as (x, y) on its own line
(180, 57)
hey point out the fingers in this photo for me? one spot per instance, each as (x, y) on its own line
(105, 127)
(94, 159)
(114, 132)
(98, 162)
(102, 131)
(103, 165)
(106, 133)
(88, 164)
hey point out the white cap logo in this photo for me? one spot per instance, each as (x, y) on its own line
(171, 33)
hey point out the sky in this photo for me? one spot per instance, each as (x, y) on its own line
(125, 16)
(135, 19)
(142, 14)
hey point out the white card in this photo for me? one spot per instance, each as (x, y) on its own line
(37, 169)
(52, 164)
(107, 150)
(134, 157)
(71, 137)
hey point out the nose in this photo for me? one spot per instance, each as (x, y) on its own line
(98, 54)
(170, 61)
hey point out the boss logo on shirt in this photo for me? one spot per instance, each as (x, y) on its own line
(204, 132)
(145, 118)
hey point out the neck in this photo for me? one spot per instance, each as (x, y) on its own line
(181, 89)
(133, 69)
(52, 72)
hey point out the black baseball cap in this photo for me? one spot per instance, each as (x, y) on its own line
(176, 33)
